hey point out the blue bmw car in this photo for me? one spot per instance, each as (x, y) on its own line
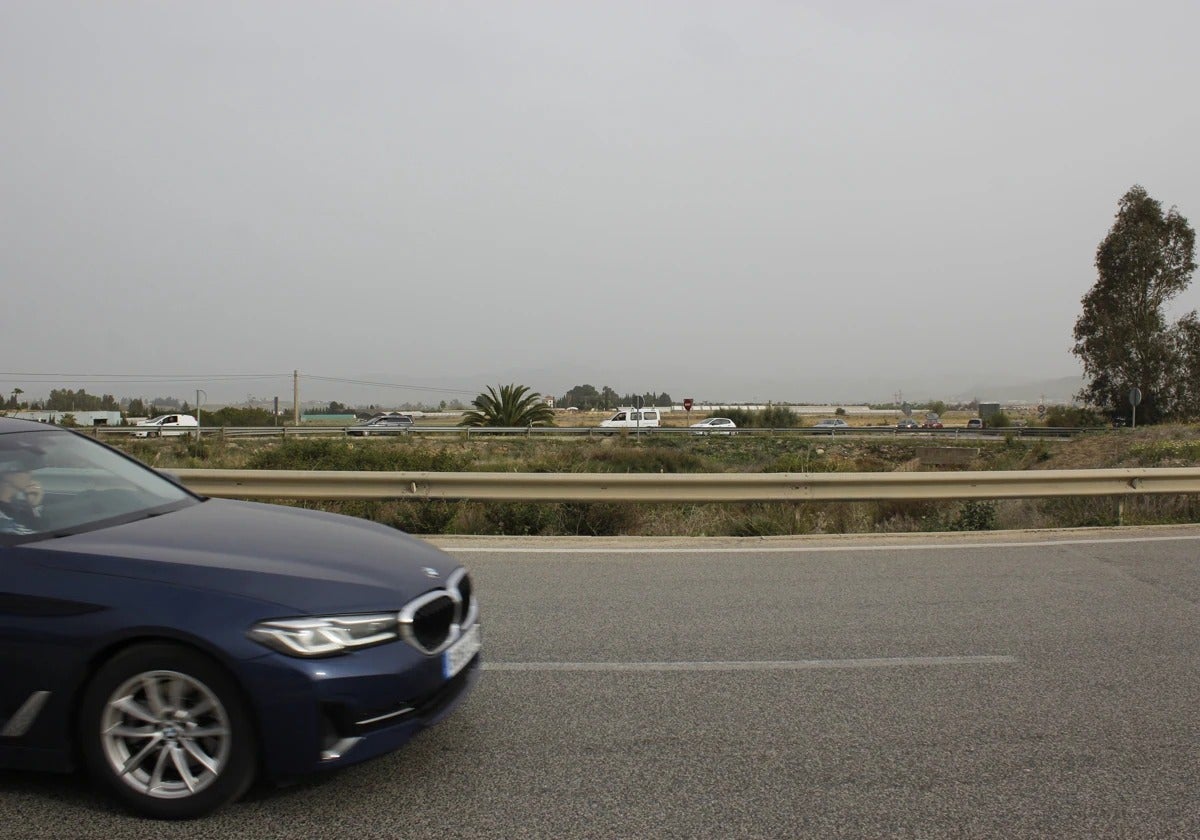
(180, 647)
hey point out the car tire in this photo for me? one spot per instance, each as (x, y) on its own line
(166, 730)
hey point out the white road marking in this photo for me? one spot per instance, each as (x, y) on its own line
(777, 665)
(811, 549)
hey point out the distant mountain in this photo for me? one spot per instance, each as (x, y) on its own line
(1061, 390)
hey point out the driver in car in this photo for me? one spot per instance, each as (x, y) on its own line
(20, 500)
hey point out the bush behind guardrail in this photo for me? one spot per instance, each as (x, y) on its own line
(695, 454)
(334, 454)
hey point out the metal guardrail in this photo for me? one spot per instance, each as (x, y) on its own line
(595, 431)
(689, 487)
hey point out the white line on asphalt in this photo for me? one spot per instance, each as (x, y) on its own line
(778, 665)
(811, 549)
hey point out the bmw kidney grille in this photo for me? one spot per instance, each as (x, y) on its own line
(435, 620)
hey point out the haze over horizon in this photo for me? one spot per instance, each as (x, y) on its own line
(738, 202)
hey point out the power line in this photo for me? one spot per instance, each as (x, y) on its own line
(6, 376)
(32, 378)
(387, 384)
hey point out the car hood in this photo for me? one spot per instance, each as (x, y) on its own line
(307, 561)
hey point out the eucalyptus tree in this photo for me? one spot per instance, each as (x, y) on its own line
(510, 406)
(1122, 337)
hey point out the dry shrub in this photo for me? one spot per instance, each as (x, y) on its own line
(902, 516)
(761, 519)
(518, 519)
(599, 519)
(332, 454)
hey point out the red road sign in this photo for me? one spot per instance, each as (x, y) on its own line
(687, 403)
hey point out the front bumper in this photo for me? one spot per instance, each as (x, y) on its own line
(317, 714)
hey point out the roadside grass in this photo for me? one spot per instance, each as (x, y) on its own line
(1152, 447)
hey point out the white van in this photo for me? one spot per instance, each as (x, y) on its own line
(632, 418)
(166, 425)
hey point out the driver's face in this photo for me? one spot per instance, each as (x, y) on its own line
(12, 483)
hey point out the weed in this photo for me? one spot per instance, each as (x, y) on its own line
(520, 519)
(598, 519)
(1164, 452)
(975, 515)
(330, 454)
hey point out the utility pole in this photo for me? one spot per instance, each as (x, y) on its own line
(199, 391)
(296, 397)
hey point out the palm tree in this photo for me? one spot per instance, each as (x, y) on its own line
(511, 406)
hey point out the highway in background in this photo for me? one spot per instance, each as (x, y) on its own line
(1036, 685)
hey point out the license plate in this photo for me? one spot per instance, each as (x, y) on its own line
(456, 657)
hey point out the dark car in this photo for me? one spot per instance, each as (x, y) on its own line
(181, 646)
(907, 424)
(384, 424)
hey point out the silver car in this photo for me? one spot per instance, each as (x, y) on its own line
(714, 426)
(384, 424)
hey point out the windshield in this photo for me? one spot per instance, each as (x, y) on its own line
(56, 482)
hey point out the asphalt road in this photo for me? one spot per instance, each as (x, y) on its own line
(985, 686)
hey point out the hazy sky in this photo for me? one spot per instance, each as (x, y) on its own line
(725, 200)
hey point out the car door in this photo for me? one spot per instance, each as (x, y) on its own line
(42, 609)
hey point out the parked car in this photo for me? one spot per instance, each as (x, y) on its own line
(976, 423)
(178, 647)
(714, 426)
(166, 425)
(384, 424)
(832, 423)
(932, 421)
(907, 424)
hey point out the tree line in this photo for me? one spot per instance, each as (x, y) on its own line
(587, 398)
(68, 400)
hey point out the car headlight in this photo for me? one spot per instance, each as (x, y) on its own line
(326, 635)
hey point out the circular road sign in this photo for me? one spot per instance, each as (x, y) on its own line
(1135, 396)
